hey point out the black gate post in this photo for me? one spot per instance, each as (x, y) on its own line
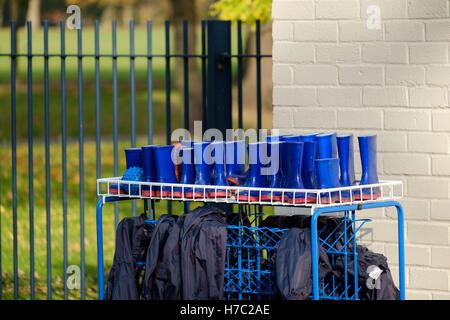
(219, 82)
(219, 76)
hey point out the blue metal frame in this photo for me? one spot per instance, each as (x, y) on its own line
(353, 208)
(314, 243)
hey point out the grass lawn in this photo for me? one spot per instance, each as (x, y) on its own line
(88, 46)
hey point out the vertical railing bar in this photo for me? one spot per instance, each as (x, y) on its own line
(168, 116)
(30, 157)
(168, 113)
(14, 157)
(133, 98)
(186, 74)
(150, 98)
(132, 86)
(115, 117)
(1, 279)
(149, 83)
(64, 155)
(97, 102)
(239, 73)
(258, 72)
(204, 89)
(47, 162)
(81, 160)
(186, 88)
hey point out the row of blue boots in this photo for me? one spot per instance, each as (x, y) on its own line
(312, 161)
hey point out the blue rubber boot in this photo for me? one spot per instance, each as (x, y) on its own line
(309, 175)
(326, 146)
(275, 138)
(187, 171)
(165, 169)
(291, 138)
(133, 157)
(328, 173)
(132, 174)
(309, 137)
(235, 157)
(291, 166)
(203, 162)
(308, 171)
(148, 166)
(274, 171)
(257, 158)
(220, 174)
(368, 153)
(188, 143)
(346, 163)
(309, 155)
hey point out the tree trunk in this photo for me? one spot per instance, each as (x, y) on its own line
(14, 10)
(2, 6)
(108, 15)
(181, 10)
(34, 13)
(127, 14)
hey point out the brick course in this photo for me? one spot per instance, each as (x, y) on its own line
(331, 72)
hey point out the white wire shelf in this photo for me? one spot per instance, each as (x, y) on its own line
(382, 191)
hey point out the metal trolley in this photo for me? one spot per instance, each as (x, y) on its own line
(249, 267)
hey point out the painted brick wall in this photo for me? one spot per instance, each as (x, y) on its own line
(332, 73)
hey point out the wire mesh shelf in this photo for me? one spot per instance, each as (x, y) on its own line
(383, 191)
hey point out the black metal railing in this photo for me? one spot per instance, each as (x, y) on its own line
(215, 36)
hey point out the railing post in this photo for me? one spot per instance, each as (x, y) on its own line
(219, 81)
(219, 75)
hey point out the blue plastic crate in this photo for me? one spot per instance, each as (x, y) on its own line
(250, 258)
(250, 263)
(249, 268)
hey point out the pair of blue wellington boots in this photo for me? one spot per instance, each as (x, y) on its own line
(328, 167)
(291, 159)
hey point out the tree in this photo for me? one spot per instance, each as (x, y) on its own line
(248, 11)
(34, 13)
(111, 9)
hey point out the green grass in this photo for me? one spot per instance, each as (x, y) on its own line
(106, 115)
(88, 47)
(105, 47)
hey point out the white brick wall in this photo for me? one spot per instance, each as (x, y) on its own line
(331, 73)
